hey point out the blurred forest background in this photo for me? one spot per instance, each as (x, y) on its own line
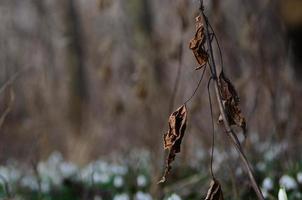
(98, 79)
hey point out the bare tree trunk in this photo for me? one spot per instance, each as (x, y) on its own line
(75, 62)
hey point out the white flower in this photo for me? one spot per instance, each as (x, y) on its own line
(141, 181)
(238, 171)
(118, 181)
(274, 151)
(4, 172)
(30, 182)
(261, 166)
(118, 169)
(282, 194)
(86, 173)
(67, 169)
(299, 177)
(142, 196)
(287, 182)
(102, 166)
(121, 197)
(55, 158)
(15, 174)
(270, 155)
(174, 197)
(100, 177)
(48, 172)
(45, 186)
(268, 184)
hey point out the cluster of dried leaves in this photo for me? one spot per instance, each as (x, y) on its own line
(178, 119)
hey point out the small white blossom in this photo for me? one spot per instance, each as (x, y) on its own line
(55, 158)
(48, 171)
(118, 181)
(142, 196)
(299, 177)
(4, 172)
(282, 194)
(86, 173)
(268, 184)
(118, 170)
(68, 169)
(15, 174)
(141, 180)
(174, 197)
(30, 182)
(287, 182)
(238, 171)
(102, 166)
(101, 177)
(45, 186)
(261, 166)
(121, 197)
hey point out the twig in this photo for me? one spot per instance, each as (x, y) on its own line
(176, 83)
(8, 109)
(198, 84)
(229, 131)
(184, 183)
(213, 131)
(9, 81)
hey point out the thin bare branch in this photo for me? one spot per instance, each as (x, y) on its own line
(8, 108)
(229, 131)
(213, 131)
(9, 81)
(198, 84)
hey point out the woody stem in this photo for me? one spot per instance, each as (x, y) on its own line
(229, 131)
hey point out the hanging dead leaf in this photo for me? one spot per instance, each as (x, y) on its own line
(173, 138)
(231, 101)
(214, 192)
(227, 89)
(198, 42)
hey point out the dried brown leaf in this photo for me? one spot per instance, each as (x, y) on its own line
(231, 101)
(173, 138)
(197, 44)
(215, 191)
(227, 89)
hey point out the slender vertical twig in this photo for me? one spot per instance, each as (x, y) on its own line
(213, 131)
(229, 131)
(178, 73)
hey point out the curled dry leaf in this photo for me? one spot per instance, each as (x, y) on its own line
(173, 138)
(231, 101)
(214, 192)
(227, 89)
(197, 44)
